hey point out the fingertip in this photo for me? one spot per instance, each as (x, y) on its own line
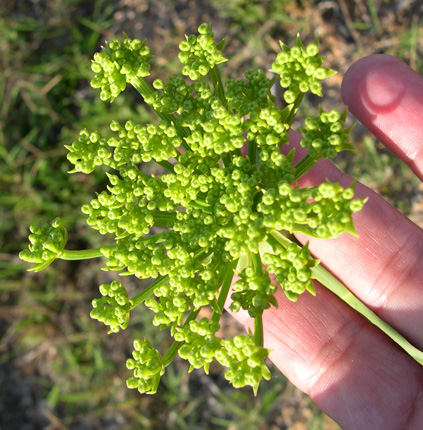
(386, 95)
(374, 84)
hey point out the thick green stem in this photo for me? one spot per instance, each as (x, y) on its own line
(143, 87)
(252, 151)
(258, 320)
(258, 330)
(304, 229)
(339, 289)
(87, 254)
(282, 239)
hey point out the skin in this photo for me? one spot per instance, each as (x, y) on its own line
(351, 370)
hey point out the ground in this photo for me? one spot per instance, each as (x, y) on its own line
(59, 369)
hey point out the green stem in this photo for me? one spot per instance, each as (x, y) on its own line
(139, 298)
(145, 89)
(162, 219)
(256, 262)
(201, 204)
(237, 152)
(228, 275)
(227, 159)
(252, 151)
(87, 254)
(294, 108)
(339, 289)
(304, 229)
(156, 238)
(258, 319)
(220, 92)
(218, 85)
(258, 330)
(282, 239)
(304, 166)
(273, 81)
(173, 350)
(168, 166)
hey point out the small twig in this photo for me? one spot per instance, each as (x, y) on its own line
(349, 23)
(55, 424)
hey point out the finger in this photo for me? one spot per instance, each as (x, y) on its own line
(350, 369)
(387, 96)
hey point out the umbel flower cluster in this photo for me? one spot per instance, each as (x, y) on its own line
(225, 205)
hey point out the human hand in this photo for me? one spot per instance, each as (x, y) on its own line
(353, 371)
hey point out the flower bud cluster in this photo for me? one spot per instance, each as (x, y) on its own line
(88, 152)
(249, 96)
(134, 203)
(46, 244)
(200, 343)
(190, 286)
(192, 178)
(245, 361)
(292, 266)
(243, 358)
(217, 210)
(144, 257)
(253, 292)
(119, 63)
(325, 134)
(144, 143)
(109, 214)
(337, 206)
(220, 133)
(199, 54)
(268, 127)
(199, 108)
(113, 308)
(147, 366)
(300, 70)
(171, 303)
(324, 211)
(198, 228)
(277, 167)
(176, 95)
(245, 230)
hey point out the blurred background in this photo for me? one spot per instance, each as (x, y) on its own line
(58, 367)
